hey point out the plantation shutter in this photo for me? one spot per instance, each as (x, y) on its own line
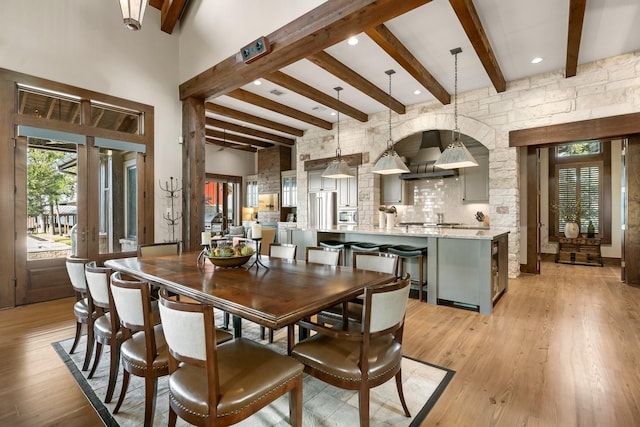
(583, 184)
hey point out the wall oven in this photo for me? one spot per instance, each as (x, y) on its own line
(347, 217)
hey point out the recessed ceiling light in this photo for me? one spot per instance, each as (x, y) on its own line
(352, 41)
(333, 113)
(536, 60)
(257, 82)
(417, 92)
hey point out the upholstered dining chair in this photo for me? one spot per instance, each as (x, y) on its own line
(321, 255)
(75, 269)
(283, 251)
(381, 262)
(159, 249)
(106, 326)
(143, 349)
(219, 385)
(364, 355)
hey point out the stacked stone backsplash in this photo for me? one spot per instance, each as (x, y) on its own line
(271, 162)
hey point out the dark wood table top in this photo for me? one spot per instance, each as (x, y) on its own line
(281, 295)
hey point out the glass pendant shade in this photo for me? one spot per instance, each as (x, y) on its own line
(338, 168)
(132, 13)
(389, 163)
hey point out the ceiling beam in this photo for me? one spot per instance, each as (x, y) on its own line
(307, 91)
(248, 131)
(470, 21)
(338, 69)
(576, 19)
(261, 101)
(227, 144)
(224, 136)
(170, 14)
(249, 118)
(394, 48)
(318, 29)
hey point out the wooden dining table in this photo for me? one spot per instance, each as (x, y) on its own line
(278, 296)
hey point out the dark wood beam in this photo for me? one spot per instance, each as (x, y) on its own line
(576, 19)
(224, 136)
(170, 14)
(266, 103)
(249, 131)
(232, 145)
(338, 69)
(246, 117)
(606, 127)
(318, 29)
(470, 21)
(394, 48)
(307, 91)
(156, 3)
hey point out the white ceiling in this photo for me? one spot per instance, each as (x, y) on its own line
(518, 31)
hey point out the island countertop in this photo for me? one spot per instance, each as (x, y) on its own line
(438, 232)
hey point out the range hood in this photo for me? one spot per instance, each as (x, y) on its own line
(421, 162)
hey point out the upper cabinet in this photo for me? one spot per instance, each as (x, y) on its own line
(318, 183)
(289, 188)
(251, 191)
(475, 181)
(395, 191)
(348, 191)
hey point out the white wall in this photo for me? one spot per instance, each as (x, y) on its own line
(85, 44)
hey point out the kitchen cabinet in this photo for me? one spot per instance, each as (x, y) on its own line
(475, 181)
(289, 188)
(348, 191)
(395, 191)
(251, 191)
(318, 183)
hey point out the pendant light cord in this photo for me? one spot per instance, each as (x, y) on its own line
(338, 89)
(389, 141)
(456, 130)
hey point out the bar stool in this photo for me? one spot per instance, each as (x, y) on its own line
(408, 252)
(369, 247)
(336, 244)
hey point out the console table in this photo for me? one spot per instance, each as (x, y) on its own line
(581, 250)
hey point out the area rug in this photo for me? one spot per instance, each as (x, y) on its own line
(324, 405)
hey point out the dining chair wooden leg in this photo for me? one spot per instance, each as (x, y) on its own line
(113, 372)
(173, 418)
(76, 338)
(89, 350)
(363, 394)
(96, 360)
(150, 386)
(295, 404)
(401, 393)
(123, 390)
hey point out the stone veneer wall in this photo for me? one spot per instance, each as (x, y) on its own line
(272, 161)
(603, 88)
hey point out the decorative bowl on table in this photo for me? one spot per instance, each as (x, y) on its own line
(225, 254)
(229, 261)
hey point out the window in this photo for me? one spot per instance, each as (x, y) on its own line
(580, 175)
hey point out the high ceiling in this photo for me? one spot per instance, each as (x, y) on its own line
(499, 39)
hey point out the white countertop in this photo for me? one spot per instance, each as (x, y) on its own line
(449, 233)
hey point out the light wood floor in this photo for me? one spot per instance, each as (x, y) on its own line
(560, 349)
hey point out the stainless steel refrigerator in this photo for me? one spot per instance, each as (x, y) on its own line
(322, 209)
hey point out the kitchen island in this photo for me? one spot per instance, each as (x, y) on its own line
(466, 267)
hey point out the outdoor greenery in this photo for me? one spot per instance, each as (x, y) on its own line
(47, 185)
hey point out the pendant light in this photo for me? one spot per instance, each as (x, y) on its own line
(456, 154)
(338, 168)
(389, 163)
(132, 13)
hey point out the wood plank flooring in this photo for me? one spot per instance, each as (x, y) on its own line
(560, 349)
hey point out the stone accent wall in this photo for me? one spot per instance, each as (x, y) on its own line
(603, 88)
(272, 161)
